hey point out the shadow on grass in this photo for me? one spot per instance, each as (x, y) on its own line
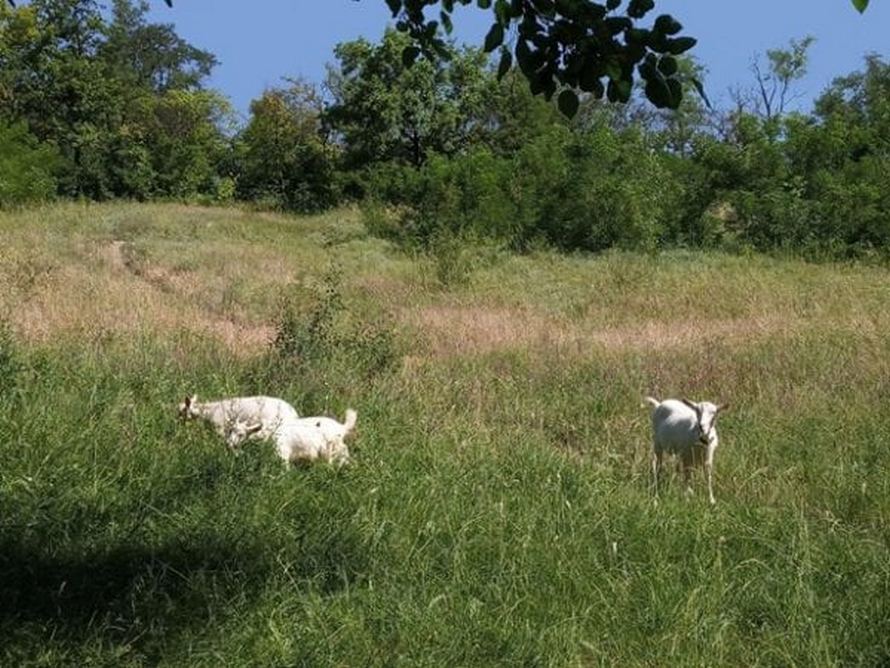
(144, 598)
(124, 594)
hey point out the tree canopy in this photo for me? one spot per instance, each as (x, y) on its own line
(445, 149)
(384, 109)
(119, 99)
(567, 45)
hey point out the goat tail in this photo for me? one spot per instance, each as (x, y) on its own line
(654, 403)
(349, 422)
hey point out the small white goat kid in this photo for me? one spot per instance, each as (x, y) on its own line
(303, 439)
(686, 429)
(266, 415)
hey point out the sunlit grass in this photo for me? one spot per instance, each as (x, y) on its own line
(498, 512)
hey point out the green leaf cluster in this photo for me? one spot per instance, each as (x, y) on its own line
(120, 99)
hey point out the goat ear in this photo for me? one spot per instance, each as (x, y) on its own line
(722, 407)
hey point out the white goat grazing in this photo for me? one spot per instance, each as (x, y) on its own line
(686, 429)
(266, 415)
(303, 439)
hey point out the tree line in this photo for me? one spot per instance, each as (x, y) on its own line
(101, 105)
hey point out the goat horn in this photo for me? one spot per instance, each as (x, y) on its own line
(692, 405)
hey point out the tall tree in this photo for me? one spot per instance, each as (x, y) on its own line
(281, 154)
(152, 54)
(785, 67)
(101, 92)
(385, 109)
(774, 81)
(573, 44)
(59, 86)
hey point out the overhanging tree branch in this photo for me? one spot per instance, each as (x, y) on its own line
(566, 45)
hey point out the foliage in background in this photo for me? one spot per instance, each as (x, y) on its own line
(452, 148)
(26, 167)
(281, 157)
(120, 98)
(382, 110)
(633, 177)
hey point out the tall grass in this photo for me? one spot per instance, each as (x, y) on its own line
(498, 511)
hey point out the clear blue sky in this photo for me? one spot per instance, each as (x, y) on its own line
(259, 42)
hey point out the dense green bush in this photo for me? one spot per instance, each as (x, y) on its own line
(281, 160)
(26, 167)
(587, 191)
(119, 98)
(852, 207)
(464, 195)
(690, 216)
(590, 191)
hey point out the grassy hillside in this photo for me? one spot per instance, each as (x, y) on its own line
(498, 511)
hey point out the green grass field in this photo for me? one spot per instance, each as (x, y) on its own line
(498, 511)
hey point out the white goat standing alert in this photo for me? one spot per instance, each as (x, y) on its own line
(265, 414)
(303, 439)
(686, 429)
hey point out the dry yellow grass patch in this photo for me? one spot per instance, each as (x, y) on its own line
(459, 330)
(385, 289)
(172, 269)
(103, 295)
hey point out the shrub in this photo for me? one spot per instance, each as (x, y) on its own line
(590, 191)
(281, 158)
(26, 167)
(315, 333)
(586, 191)
(225, 190)
(468, 194)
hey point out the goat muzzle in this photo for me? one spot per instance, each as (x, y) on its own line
(702, 435)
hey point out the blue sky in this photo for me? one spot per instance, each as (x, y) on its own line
(261, 41)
